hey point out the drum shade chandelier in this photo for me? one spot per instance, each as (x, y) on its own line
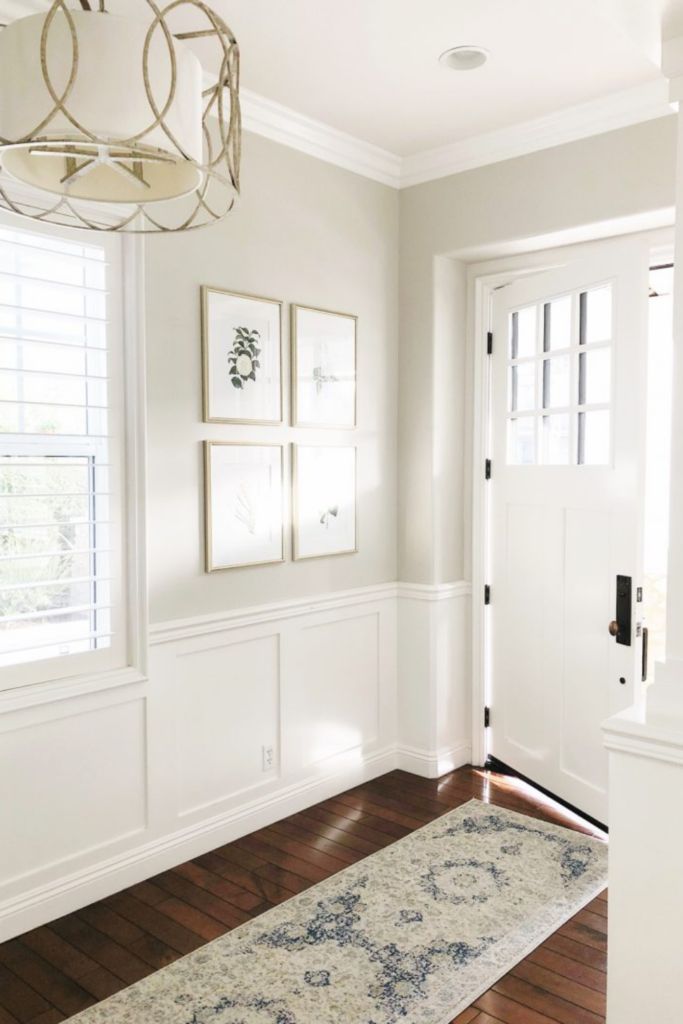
(106, 121)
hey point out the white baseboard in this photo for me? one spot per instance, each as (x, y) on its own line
(432, 764)
(81, 888)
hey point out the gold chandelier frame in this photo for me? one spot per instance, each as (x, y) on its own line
(218, 188)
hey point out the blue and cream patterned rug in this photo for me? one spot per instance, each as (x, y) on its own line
(412, 934)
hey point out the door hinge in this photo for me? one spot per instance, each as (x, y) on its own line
(487, 717)
(487, 594)
(487, 469)
(489, 343)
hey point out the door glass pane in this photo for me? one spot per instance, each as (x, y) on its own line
(558, 324)
(523, 333)
(556, 440)
(522, 441)
(596, 308)
(556, 374)
(596, 376)
(522, 387)
(594, 438)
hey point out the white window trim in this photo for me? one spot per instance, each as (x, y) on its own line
(30, 684)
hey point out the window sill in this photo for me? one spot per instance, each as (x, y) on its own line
(51, 690)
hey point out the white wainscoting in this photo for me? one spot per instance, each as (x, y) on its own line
(434, 678)
(101, 787)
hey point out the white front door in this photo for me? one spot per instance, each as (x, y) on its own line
(567, 401)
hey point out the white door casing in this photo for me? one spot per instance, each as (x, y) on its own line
(568, 362)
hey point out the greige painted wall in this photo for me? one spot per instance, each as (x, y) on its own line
(304, 231)
(619, 174)
(308, 232)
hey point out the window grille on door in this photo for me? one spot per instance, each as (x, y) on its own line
(560, 380)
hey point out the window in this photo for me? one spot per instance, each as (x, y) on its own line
(560, 380)
(60, 450)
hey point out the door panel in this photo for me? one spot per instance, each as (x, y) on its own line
(567, 397)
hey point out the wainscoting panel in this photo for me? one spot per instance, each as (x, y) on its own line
(72, 782)
(331, 692)
(244, 718)
(226, 715)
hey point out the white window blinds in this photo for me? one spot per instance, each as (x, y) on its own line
(55, 448)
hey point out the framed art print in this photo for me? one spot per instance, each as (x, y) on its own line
(242, 354)
(243, 503)
(324, 500)
(323, 368)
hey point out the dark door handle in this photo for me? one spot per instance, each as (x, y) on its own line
(620, 627)
(646, 636)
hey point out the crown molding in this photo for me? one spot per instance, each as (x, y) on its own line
(282, 124)
(618, 110)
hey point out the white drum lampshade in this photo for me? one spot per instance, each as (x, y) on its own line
(105, 122)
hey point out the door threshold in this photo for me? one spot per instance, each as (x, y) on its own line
(494, 765)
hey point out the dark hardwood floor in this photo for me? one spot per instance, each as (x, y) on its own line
(55, 971)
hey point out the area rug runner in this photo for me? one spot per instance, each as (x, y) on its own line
(412, 934)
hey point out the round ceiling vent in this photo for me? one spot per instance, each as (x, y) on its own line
(464, 58)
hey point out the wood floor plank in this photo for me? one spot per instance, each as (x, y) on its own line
(272, 855)
(101, 983)
(53, 972)
(309, 838)
(597, 922)
(598, 906)
(507, 1011)
(354, 840)
(154, 952)
(66, 995)
(584, 933)
(305, 852)
(224, 888)
(59, 952)
(205, 902)
(208, 928)
(355, 827)
(558, 985)
(589, 955)
(19, 1001)
(116, 958)
(484, 1018)
(110, 923)
(467, 1016)
(247, 880)
(572, 969)
(365, 817)
(157, 924)
(543, 1001)
(49, 1017)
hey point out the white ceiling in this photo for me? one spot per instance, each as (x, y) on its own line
(369, 67)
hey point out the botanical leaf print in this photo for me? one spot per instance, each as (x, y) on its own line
(243, 358)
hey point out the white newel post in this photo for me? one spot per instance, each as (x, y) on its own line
(645, 958)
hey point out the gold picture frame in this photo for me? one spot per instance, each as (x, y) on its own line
(324, 380)
(210, 488)
(296, 504)
(210, 397)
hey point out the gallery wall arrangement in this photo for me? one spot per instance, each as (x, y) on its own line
(244, 481)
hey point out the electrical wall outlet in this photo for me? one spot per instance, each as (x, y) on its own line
(267, 758)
